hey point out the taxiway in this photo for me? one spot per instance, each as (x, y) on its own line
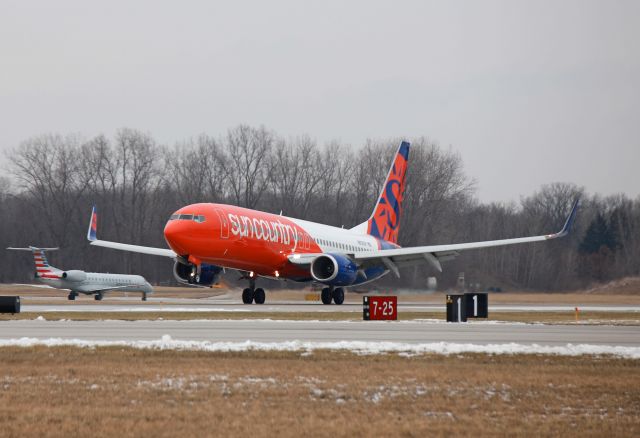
(323, 331)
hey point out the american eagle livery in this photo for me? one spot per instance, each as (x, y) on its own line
(206, 239)
(81, 282)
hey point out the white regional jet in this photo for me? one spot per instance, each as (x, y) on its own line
(81, 282)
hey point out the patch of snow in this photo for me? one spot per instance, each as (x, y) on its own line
(435, 414)
(358, 347)
(40, 318)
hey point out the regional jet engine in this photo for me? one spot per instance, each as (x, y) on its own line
(74, 275)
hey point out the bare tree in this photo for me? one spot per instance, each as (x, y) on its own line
(246, 163)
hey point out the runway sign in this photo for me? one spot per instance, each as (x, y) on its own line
(9, 304)
(476, 305)
(380, 308)
(455, 308)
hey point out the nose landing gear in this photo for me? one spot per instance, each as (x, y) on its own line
(194, 277)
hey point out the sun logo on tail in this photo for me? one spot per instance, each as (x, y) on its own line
(384, 223)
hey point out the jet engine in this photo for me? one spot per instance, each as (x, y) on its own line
(185, 274)
(334, 270)
(74, 275)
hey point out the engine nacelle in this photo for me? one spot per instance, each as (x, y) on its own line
(334, 270)
(74, 275)
(208, 274)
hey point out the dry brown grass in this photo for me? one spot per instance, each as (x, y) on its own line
(127, 392)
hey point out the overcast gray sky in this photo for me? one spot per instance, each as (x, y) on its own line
(528, 92)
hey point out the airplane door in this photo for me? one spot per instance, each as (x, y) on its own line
(224, 224)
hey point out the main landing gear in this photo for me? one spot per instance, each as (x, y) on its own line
(251, 294)
(98, 296)
(329, 293)
(72, 295)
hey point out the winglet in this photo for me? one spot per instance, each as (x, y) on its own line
(569, 222)
(93, 225)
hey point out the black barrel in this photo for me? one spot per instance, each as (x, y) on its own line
(9, 304)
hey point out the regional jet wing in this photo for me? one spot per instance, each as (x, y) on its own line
(434, 254)
(89, 289)
(93, 239)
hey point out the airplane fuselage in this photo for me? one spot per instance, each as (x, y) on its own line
(98, 280)
(255, 241)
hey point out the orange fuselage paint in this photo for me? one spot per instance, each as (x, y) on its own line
(239, 238)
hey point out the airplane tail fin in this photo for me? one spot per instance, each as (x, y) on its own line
(93, 225)
(43, 268)
(384, 222)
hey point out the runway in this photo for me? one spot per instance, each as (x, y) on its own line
(274, 331)
(185, 305)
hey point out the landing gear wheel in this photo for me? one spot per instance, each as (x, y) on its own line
(325, 295)
(247, 296)
(258, 296)
(71, 296)
(338, 295)
(98, 297)
(144, 297)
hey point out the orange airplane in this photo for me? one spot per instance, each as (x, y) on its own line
(205, 239)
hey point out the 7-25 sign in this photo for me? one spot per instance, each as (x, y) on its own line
(380, 308)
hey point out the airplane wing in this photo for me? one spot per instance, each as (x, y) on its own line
(434, 254)
(42, 286)
(106, 289)
(93, 240)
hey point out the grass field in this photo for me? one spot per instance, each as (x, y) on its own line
(127, 392)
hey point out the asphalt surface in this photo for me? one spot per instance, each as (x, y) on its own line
(186, 305)
(324, 331)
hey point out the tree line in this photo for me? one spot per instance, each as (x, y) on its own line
(52, 181)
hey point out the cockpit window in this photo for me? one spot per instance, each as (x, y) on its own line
(188, 217)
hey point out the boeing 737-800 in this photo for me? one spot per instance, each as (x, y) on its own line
(205, 239)
(80, 282)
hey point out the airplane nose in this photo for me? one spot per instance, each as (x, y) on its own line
(175, 235)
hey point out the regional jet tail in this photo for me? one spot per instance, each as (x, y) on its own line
(207, 238)
(81, 282)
